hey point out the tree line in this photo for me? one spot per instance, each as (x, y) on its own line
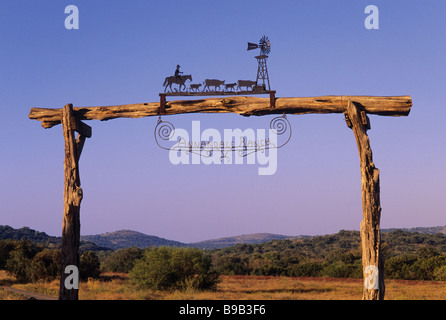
(157, 268)
(31, 262)
(408, 255)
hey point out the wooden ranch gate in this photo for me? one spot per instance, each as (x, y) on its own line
(354, 108)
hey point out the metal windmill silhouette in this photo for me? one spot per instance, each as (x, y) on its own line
(262, 70)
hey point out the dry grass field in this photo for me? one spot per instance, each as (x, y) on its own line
(113, 286)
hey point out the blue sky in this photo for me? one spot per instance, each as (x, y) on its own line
(123, 51)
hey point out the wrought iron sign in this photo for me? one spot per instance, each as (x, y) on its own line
(181, 85)
(242, 142)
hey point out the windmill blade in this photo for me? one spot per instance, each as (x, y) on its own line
(265, 45)
(266, 50)
(263, 40)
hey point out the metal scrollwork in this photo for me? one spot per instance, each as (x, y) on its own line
(282, 126)
(279, 126)
(165, 131)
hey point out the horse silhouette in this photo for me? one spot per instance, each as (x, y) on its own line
(176, 80)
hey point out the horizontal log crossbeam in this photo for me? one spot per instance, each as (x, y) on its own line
(245, 106)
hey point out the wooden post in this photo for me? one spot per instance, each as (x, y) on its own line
(72, 200)
(372, 259)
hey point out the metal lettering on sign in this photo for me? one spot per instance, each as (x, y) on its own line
(243, 142)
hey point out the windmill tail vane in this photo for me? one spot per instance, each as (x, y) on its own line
(252, 46)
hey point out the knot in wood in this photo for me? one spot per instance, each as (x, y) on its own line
(228, 102)
(77, 196)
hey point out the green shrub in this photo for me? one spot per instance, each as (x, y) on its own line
(6, 246)
(165, 268)
(342, 271)
(231, 265)
(46, 265)
(400, 267)
(122, 260)
(306, 269)
(424, 269)
(19, 261)
(89, 265)
(440, 273)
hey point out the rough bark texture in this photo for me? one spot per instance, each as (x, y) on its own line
(72, 201)
(372, 259)
(246, 106)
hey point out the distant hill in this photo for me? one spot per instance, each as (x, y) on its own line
(128, 238)
(255, 238)
(7, 232)
(25, 233)
(429, 230)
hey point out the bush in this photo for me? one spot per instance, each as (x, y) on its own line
(45, 265)
(6, 246)
(19, 261)
(122, 260)
(89, 266)
(424, 269)
(231, 265)
(165, 268)
(306, 269)
(400, 267)
(342, 271)
(440, 273)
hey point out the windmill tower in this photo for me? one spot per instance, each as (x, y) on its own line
(262, 70)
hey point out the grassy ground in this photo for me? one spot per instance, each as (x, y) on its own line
(116, 287)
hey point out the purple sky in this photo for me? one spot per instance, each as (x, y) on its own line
(123, 51)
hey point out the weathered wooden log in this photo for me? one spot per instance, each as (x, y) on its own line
(372, 258)
(72, 200)
(245, 106)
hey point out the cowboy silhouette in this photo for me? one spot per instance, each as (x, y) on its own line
(178, 72)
